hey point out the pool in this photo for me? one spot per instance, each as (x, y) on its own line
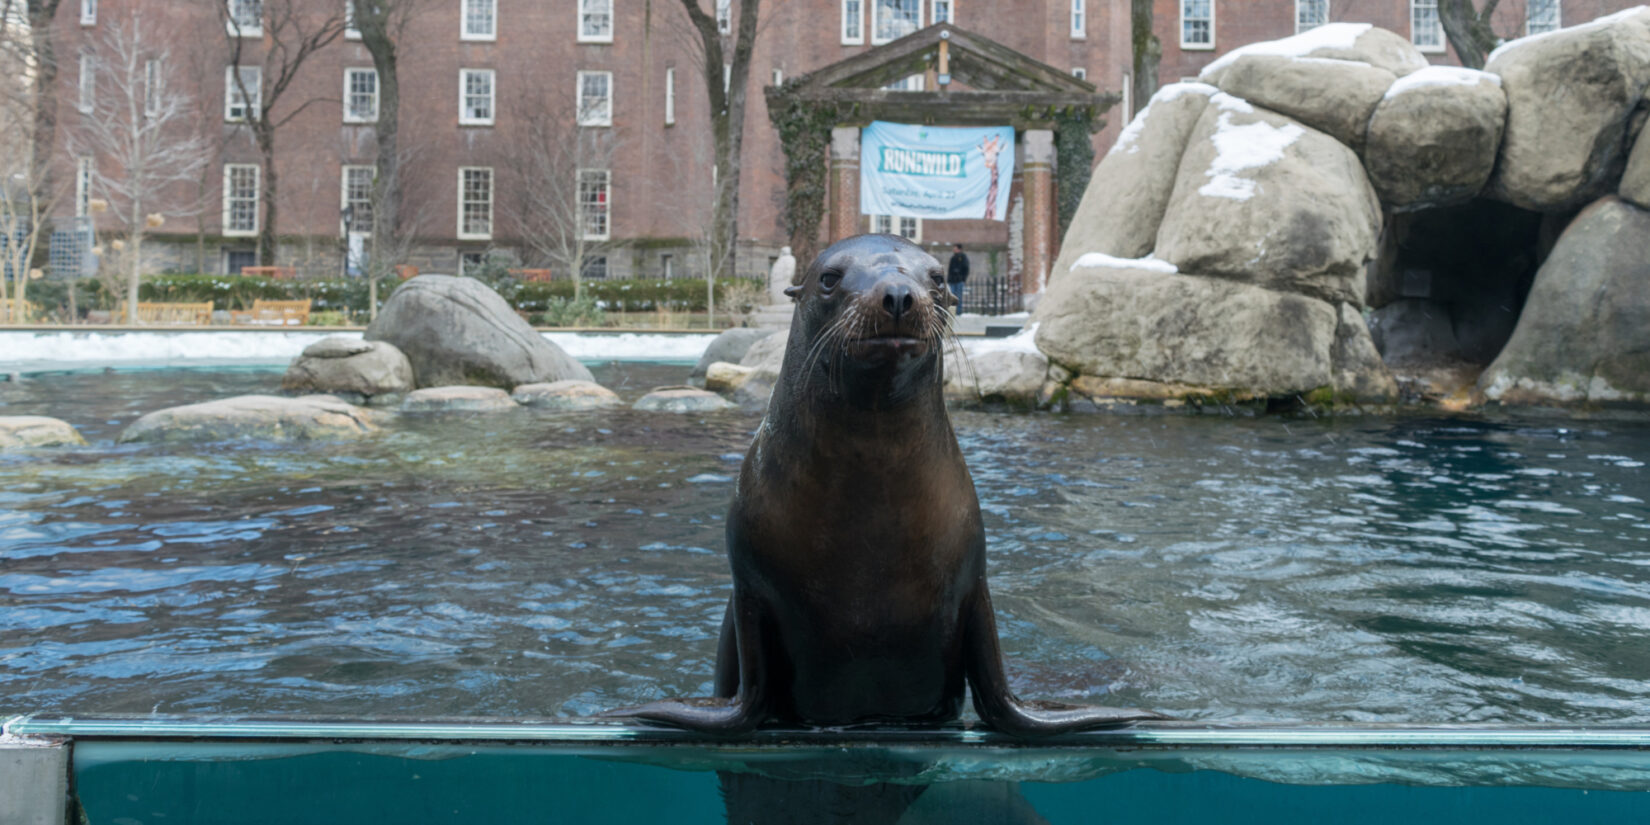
(1404, 570)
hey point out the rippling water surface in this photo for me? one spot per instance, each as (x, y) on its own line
(1379, 569)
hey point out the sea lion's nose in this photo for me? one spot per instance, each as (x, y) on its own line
(897, 300)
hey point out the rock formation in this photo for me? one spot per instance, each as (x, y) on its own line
(458, 398)
(1234, 240)
(342, 365)
(458, 331)
(566, 395)
(19, 432)
(255, 417)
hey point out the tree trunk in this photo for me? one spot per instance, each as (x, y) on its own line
(727, 117)
(1148, 50)
(386, 178)
(41, 16)
(1468, 30)
(136, 274)
(265, 136)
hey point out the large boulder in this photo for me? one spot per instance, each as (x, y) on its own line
(25, 431)
(730, 346)
(1635, 182)
(1333, 96)
(1360, 42)
(1183, 329)
(1432, 140)
(459, 331)
(341, 364)
(1570, 95)
(254, 417)
(1359, 372)
(682, 400)
(1011, 370)
(1263, 199)
(1584, 335)
(1123, 205)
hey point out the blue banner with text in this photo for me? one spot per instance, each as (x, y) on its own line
(936, 172)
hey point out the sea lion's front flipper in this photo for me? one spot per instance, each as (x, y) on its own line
(747, 706)
(999, 708)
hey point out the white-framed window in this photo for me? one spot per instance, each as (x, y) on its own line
(893, 19)
(1079, 72)
(476, 95)
(152, 89)
(236, 108)
(724, 16)
(1079, 19)
(1197, 24)
(595, 269)
(475, 202)
(778, 76)
(88, 83)
(907, 228)
(1541, 16)
(350, 31)
(471, 262)
(727, 77)
(670, 96)
(595, 99)
(667, 265)
(480, 20)
(595, 209)
(246, 17)
(911, 83)
(853, 22)
(360, 95)
(942, 11)
(88, 12)
(1310, 14)
(1426, 31)
(595, 21)
(83, 186)
(355, 193)
(240, 199)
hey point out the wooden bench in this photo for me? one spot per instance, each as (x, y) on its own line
(531, 275)
(274, 313)
(277, 272)
(13, 311)
(160, 312)
(406, 271)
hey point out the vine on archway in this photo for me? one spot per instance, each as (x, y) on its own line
(805, 135)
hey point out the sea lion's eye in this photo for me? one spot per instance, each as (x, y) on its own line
(829, 279)
(937, 277)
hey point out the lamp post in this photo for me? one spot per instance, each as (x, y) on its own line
(349, 222)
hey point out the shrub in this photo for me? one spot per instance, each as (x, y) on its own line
(566, 312)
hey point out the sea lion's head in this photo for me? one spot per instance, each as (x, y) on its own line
(874, 304)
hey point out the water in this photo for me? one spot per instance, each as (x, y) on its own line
(1405, 569)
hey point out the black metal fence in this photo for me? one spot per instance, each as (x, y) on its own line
(992, 295)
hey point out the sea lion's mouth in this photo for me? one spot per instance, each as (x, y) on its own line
(886, 347)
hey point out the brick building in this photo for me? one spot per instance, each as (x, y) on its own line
(475, 73)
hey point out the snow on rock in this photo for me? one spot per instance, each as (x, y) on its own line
(1440, 76)
(1242, 147)
(1608, 20)
(1128, 140)
(1102, 260)
(1336, 36)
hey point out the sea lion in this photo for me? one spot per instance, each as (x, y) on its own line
(858, 555)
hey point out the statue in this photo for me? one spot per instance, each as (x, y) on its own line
(779, 277)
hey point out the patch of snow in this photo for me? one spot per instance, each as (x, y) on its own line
(1439, 76)
(1022, 341)
(1242, 147)
(85, 350)
(1330, 36)
(1126, 141)
(1230, 103)
(1102, 260)
(1612, 19)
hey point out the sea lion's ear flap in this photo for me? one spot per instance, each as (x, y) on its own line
(793, 291)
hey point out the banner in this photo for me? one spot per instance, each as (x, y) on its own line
(935, 172)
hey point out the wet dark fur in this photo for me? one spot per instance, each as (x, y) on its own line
(855, 538)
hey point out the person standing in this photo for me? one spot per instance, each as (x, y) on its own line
(957, 274)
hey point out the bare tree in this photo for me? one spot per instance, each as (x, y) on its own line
(140, 133)
(726, 79)
(1148, 50)
(559, 174)
(1468, 29)
(291, 31)
(28, 190)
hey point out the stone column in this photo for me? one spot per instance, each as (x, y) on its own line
(844, 204)
(1037, 171)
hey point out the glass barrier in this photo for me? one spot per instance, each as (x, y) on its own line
(226, 772)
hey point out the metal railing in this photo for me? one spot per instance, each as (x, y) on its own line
(992, 295)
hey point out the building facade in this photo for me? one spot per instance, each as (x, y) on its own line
(490, 88)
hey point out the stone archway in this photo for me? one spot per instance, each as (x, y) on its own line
(970, 80)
